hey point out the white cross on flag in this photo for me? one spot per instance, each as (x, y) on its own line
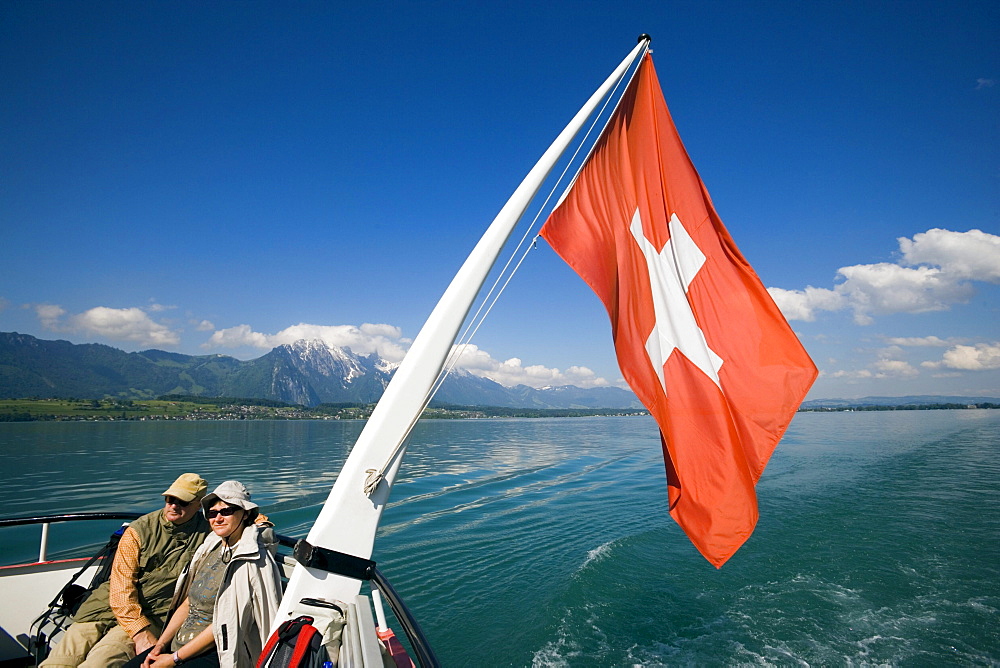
(697, 336)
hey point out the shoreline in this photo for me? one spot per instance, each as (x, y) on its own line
(228, 409)
(112, 410)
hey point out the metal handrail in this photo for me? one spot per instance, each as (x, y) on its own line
(425, 655)
(66, 517)
(47, 520)
(358, 568)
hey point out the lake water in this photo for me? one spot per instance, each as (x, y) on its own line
(547, 542)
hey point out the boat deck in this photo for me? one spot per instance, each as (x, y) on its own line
(28, 590)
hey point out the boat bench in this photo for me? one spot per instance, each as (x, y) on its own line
(12, 653)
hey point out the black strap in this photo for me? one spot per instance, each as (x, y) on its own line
(320, 603)
(291, 628)
(108, 550)
(332, 561)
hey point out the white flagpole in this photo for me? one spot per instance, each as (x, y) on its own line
(349, 518)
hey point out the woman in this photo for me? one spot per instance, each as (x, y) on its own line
(227, 597)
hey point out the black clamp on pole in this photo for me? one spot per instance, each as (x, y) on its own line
(332, 561)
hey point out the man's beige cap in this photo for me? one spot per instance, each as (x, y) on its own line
(188, 487)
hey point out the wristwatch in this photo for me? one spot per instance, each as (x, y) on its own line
(177, 659)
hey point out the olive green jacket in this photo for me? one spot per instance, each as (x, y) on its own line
(165, 549)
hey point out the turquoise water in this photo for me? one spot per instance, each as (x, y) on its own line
(547, 542)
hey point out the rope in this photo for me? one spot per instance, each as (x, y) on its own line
(375, 476)
(476, 322)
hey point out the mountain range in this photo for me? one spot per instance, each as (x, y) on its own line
(304, 372)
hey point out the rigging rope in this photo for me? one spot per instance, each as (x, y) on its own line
(375, 476)
(476, 321)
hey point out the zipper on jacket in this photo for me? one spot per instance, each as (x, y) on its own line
(225, 639)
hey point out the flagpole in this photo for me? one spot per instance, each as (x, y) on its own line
(349, 518)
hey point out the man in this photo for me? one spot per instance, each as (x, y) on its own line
(124, 616)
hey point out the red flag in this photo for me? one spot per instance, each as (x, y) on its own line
(697, 336)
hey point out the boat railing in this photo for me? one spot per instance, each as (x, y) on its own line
(47, 520)
(362, 569)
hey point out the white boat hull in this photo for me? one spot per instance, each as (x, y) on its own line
(27, 590)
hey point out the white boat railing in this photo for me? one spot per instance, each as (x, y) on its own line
(365, 570)
(43, 548)
(47, 521)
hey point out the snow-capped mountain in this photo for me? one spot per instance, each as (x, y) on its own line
(311, 372)
(303, 372)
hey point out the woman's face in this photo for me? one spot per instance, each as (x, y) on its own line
(224, 518)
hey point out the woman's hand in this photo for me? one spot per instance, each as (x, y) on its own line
(153, 655)
(163, 661)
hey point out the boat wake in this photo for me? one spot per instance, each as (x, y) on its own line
(501, 493)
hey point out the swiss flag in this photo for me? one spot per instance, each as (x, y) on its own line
(697, 336)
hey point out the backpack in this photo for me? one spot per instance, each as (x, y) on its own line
(48, 627)
(296, 644)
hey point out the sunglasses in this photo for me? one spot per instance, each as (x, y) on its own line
(225, 512)
(174, 501)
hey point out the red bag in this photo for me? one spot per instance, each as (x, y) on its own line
(296, 644)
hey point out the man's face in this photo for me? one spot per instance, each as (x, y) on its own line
(178, 511)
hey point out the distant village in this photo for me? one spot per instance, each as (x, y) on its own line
(900, 407)
(197, 408)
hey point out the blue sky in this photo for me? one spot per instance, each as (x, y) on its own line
(226, 177)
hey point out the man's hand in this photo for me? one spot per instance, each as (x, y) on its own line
(143, 640)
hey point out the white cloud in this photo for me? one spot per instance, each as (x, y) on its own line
(985, 83)
(237, 337)
(157, 308)
(388, 331)
(803, 304)
(124, 324)
(368, 338)
(890, 368)
(956, 360)
(49, 315)
(935, 271)
(883, 289)
(117, 324)
(3, 303)
(858, 374)
(512, 372)
(203, 326)
(886, 366)
(972, 255)
(917, 341)
(980, 357)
